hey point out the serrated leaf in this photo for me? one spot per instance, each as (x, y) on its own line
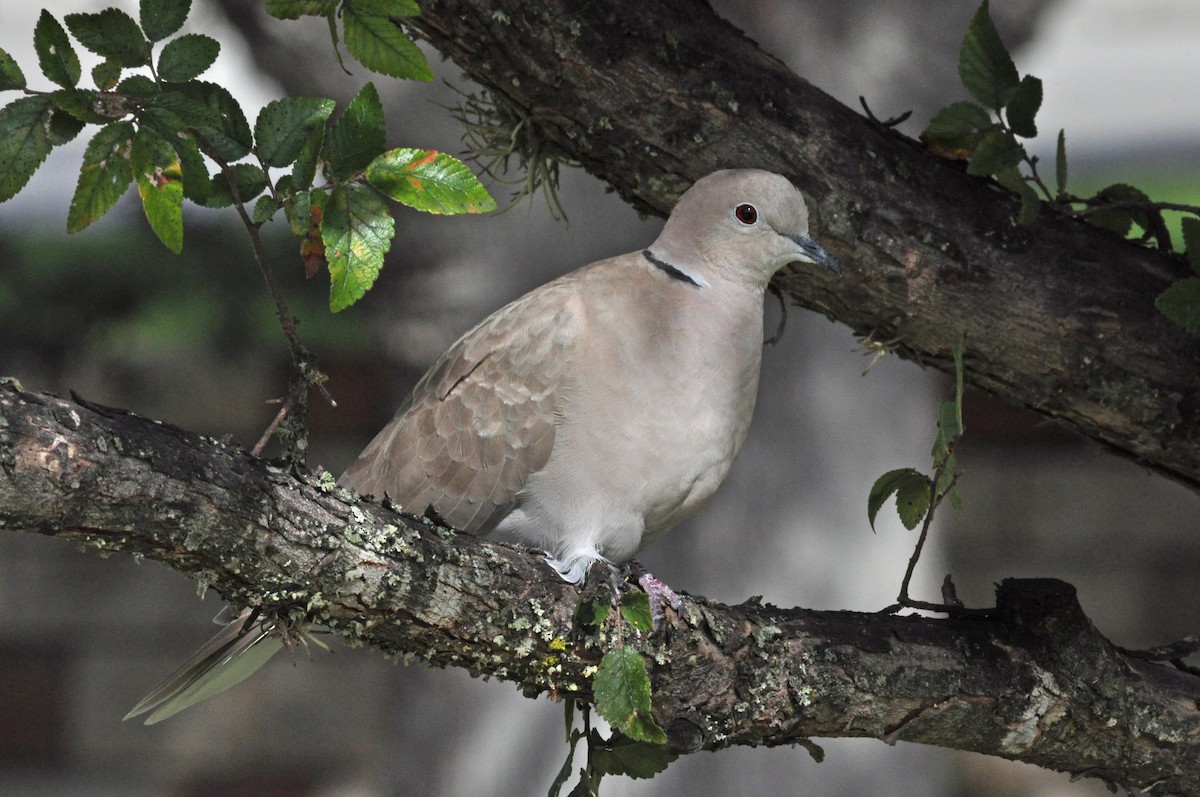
(161, 18)
(106, 173)
(228, 131)
(1118, 220)
(63, 128)
(1031, 204)
(137, 86)
(11, 76)
(357, 230)
(907, 480)
(954, 131)
(187, 57)
(294, 9)
(912, 501)
(984, 65)
(1181, 303)
(387, 8)
(56, 56)
(80, 103)
(357, 136)
(106, 74)
(111, 34)
(283, 127)
(622, 690)
(996, 151)
(156, 168)
(624, 756)
(635, 608)
(592, 613)
(1191, 241)
(249, 179)
(298, 209)
(24, 141)
(429, 180)
(379, 45)
(196, 181)
(306, 160)
(1060, 163)
(265, 208)
(1023, 105)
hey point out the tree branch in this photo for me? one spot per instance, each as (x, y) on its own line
(1032, 681)
(652, 95)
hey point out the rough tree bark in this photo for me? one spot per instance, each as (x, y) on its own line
(1032, 681)
(650, 95)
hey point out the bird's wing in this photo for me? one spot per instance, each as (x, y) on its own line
(482, 420)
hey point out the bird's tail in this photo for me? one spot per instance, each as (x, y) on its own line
(235, 653)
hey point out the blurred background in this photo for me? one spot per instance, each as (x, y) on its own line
(192, 340)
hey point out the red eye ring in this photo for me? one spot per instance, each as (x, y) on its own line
(745, 213)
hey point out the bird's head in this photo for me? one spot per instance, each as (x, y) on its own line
(741, 224)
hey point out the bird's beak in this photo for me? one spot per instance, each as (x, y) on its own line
(815, 253)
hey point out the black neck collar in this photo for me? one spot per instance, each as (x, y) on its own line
(668, 269)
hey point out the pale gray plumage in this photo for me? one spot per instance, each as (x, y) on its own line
(601, 409)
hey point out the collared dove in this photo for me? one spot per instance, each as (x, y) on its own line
(587, 417)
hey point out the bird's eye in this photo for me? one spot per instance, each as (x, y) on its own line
(746, 214)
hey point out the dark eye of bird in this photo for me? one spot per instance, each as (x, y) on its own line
(746, 214)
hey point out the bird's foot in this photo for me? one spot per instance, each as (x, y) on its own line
(657, 592)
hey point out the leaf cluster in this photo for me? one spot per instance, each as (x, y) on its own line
(986, 131)
(918, 495)
(178, 137)
(621, 686)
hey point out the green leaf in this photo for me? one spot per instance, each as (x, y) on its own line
(56, 56)
(24, 142)
(249, 179)
(387, 8)
(80, 103)
(196, 182)
(948, 430)
(161, 18)
(956, 129)
(592, 613)
(298, 210)
(187, 57)
(357, 136)
(907, 481)
(377, 42)
(634, 759)
(106, 74)
(11, 76)
(1191, 240)
(228, 131)
(635, 608)
(429, 180)
(137, 86)
(106, 173)
(111, 34)
(1031, 204)
(995, 152)
(1118, 220)
(306, 160)
(1060, 163)
(622, 690)
(283, 127)
(156, 168)
(63, 127)
(294, 9)
(357, 230)
(264, 209)
(984, 65)
(1181, 304)
(1023, 105)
